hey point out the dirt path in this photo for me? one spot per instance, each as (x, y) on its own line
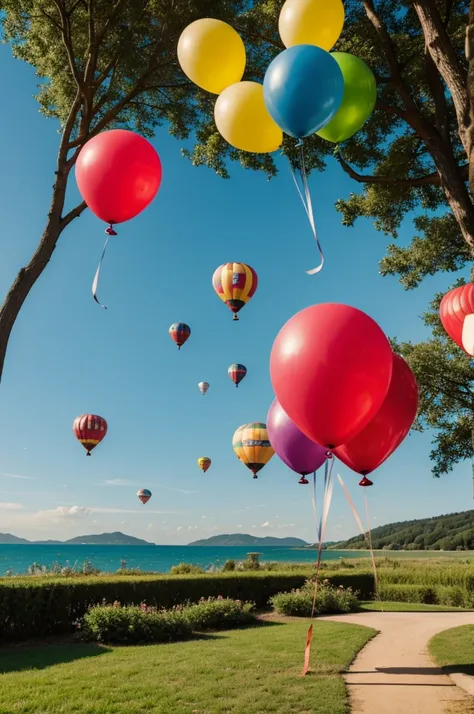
(394, 673)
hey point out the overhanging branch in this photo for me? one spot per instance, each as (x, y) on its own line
(427, 180)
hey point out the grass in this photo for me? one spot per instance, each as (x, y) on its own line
(454, 649)
(375, 606)
(253, 671)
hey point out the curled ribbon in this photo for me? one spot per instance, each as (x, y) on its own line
(300, 177)
(95, 283)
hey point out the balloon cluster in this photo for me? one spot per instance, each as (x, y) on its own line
(306, 89)
(340, 388)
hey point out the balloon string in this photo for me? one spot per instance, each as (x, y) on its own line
(300, 176)
(95, 282)
(366, 533)
(327, 498)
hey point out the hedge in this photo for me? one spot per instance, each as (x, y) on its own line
(33, 607)
(452, 596)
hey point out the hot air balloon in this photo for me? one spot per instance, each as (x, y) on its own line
(179, 333)
(235, 284)
(204, 462)
(144, 495)
(89, 430)
(237, 372)
(457, 315)
(203, 387)
(237, 440)
(256, 448)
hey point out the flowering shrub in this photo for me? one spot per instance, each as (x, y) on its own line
(141, 624)
(329, 599)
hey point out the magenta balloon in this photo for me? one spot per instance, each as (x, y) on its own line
(294, 448)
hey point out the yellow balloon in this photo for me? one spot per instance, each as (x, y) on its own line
(244, 121)
(211, 54)
(311, 22)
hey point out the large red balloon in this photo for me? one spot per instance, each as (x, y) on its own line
(330, 368)
(454, 308)
(374, 444)
(118, 174)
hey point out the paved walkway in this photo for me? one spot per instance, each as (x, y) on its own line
(394, 673)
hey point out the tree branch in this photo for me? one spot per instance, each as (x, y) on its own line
(74, 213)
(427, 180)
(445, 59)
(67, 41)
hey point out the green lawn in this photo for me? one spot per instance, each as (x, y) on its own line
(253, 671)
(454, 649)
(407, 607)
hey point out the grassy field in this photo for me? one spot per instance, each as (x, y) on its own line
(253, 671)
(374, 606)
(454, 649)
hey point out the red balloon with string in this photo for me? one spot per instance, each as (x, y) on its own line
(330, 368)
(389, 427)
(118, 174)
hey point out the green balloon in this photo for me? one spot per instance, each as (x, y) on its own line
(360, 94)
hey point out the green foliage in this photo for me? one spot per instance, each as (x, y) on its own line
(437, 533)
(445, 377)
(185, 569)
(329, 599)
(229, 566)
(219, 614)
(31, 607)
(453, 596)
(134, 625)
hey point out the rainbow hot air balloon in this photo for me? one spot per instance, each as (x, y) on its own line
(235, 284)
(237, 440)
(89, 430)
(204, 462)
(144, 495)
(203, 387)
(237, 372)
(179, 333)
(256, 448)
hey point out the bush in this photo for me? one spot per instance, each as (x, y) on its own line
(329, 599)
(34, 607)
(219, 614)
(229, 565)
(185, 569)
(134, 625)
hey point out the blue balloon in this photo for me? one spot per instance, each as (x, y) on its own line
(303, 89)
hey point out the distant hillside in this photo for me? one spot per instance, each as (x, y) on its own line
(8, 539)
(451, 532)
(248, 540)
(116, 538)
(102, 539)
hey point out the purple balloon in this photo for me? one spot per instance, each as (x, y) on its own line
(292, 446)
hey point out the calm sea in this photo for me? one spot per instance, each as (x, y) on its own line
(160, 558)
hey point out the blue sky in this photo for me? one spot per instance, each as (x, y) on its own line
(68, 356)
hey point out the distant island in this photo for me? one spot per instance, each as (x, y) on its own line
(454, 531)
(249, 540)
(116, 538)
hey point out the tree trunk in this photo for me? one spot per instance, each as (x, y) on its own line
(28, 275)
(470, 88)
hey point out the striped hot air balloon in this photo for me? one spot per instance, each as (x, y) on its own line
(203, 387)
(237, 440)
(256, 448)
(235, 284)
(144, 495)
(237, 372)
(89, 430)
(204, 462)
(179, 333)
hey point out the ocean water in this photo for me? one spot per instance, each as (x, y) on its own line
(158, 558)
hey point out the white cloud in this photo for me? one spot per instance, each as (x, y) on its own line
(265, 525)
(250, 508)
(94, 509)
(203, 516)
(239, 526)
(179, 528)
(181, 490)
(11, 506)
(118, 482)
(19, 476)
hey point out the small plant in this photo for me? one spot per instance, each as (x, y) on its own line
(186, 569)
(252, 562)
(134, 625)
(229, 565)
(219, 614)
(329, 599)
